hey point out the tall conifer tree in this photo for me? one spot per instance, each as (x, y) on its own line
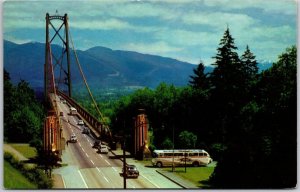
(249, 63)
(199, 79)
(227, 77)
(250, 68)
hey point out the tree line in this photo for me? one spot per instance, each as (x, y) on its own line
(245, 119)
(23, 114)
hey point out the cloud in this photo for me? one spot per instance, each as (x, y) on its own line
(218, 20)
(287, 7)
(17, 40)
(178, 28)
(105, 24)
(182, 37)
(140, 10)
(157, 48)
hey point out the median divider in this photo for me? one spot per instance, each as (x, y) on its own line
(118, 154)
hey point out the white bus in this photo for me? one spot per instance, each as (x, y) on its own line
(194, 157)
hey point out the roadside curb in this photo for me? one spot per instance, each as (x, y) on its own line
(174, 181)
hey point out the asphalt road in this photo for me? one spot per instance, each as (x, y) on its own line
(88, 169)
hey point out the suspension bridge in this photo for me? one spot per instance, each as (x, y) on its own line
(58, 95)
(71, 132)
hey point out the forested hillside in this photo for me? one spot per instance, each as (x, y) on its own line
(244, 118)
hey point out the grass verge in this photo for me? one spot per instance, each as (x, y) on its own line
(196, 175)
(33, 174)
(13, 178)
(25, 149)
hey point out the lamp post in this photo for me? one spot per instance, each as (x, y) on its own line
(173, 151)
(124, 164)
(185, 155)
(124, 157)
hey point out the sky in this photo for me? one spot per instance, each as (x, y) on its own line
(187, 30)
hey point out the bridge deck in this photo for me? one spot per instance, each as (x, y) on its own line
(93, 130)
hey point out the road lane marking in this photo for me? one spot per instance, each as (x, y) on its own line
(102, 175)
(115, 169)
(106, 179)
(150, 181)
(83, 179)
(107, 162)
(98, 169)
(93, 162)
(101, 155)
(62, 178)
(87, 155)
(79, 144)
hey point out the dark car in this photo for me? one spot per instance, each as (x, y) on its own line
(131, 171)
(96, 144)
(86, 130)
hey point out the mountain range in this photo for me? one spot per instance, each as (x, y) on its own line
(103, 67)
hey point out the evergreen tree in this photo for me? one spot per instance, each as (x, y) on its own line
(250, 68)
(267, 127)
(277, 125)
(227, 87)
(199, 79)
(249, 64)
(226, 75)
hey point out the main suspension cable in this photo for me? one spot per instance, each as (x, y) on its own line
(84, 79)
(52, 81)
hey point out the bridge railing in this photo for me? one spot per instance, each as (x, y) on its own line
(94, 122)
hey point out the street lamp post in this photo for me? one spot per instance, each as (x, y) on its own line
(124, 164)
(173, 151)
(185, 155)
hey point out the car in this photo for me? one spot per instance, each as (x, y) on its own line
(73, 138)
(131, 171)
(86, 130)
(96, 144)
(102, 149)
(80, 122)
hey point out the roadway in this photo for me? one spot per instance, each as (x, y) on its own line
(85, 168)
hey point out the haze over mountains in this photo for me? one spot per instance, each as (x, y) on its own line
(103, 67)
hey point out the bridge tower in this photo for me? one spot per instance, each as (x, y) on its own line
(141, 135)
(57, 32)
